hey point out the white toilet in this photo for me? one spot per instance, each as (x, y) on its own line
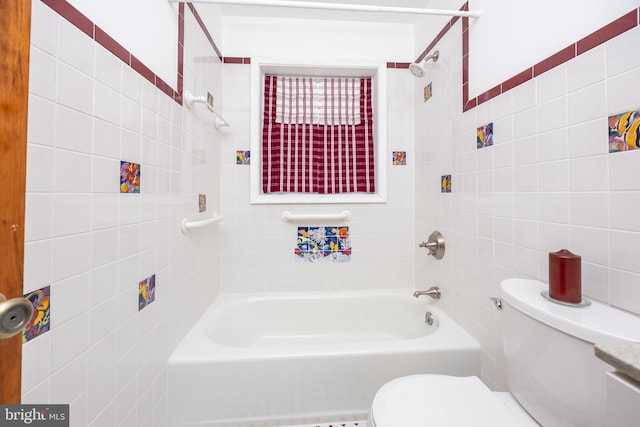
(553, 374)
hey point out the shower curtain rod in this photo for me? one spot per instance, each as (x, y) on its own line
(337, 6)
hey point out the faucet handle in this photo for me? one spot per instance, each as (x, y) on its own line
(435, 245)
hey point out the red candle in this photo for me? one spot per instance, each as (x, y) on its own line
(565, 276)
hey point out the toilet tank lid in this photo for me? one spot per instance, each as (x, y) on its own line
(596, 323)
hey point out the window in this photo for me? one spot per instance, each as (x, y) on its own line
(319, 137)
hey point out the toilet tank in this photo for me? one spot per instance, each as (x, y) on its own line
(552, 369)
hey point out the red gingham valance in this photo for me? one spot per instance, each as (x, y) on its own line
(302, 153)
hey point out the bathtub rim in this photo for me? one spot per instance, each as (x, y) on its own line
(197, 347)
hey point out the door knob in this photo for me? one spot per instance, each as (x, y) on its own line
(15, 313)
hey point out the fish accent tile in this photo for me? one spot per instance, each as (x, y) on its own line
(146, 292)
(327, 244)
(202, 202)
(399, 158)
(41, 320)
(428, 92)
(484, 136)
(129, 177)
(243, 157)
(624, 131)
(445, 184)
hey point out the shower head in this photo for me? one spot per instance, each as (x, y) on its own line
(417, 69)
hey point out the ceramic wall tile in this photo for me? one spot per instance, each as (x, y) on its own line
(129, 177)
(624, 131)
(243, 157)
(146, 292)
(40, 322)
(327, 244)
(399, 158)
(484, 136)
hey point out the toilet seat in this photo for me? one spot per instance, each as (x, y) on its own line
(440, 400)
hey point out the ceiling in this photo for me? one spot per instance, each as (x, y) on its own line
(299, 13)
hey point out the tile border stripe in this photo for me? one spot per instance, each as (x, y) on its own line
(615, 28)
(598, 37)
(97, 34)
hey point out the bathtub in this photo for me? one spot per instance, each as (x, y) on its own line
(300, 358)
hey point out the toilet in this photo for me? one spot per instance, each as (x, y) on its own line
(553, 375)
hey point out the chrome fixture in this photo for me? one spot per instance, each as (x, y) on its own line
(497, 302)
(417, 69)
(433, 292)
(428, 318)
(435, 245)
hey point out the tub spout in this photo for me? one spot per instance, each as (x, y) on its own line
(433, 292)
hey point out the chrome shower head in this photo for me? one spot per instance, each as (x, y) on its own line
(418, 70)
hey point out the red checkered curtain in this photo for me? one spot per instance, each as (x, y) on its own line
(317, 135)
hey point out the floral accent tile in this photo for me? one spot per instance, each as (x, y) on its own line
(243, 157)
(146, 292)
(327, 244)
(428, 92)
(40, 322)
(202, 202)
(445, 184)
(399, 158)
(624, 131)
(129, 177)
(484, 136)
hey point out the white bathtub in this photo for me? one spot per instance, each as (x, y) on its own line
(300, 358)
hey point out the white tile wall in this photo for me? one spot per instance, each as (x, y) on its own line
(92, 244)
(547, 183)
(553, 185)
(255, 236)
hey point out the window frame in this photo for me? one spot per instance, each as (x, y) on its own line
(378, 73)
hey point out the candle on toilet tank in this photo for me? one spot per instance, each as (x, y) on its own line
(565, 276)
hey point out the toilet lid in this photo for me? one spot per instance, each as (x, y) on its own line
(440, 400)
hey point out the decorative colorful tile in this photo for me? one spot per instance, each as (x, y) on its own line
(129, 177)
(329, 244)
(209, 101)
(428, 92)
(445, 184)
(243, 157)
(399, 158)
(146, 292)
(202, 202)
(485, 136)
(624, 131)
(40, 322)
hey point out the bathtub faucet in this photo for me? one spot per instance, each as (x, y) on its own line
(433, 292)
